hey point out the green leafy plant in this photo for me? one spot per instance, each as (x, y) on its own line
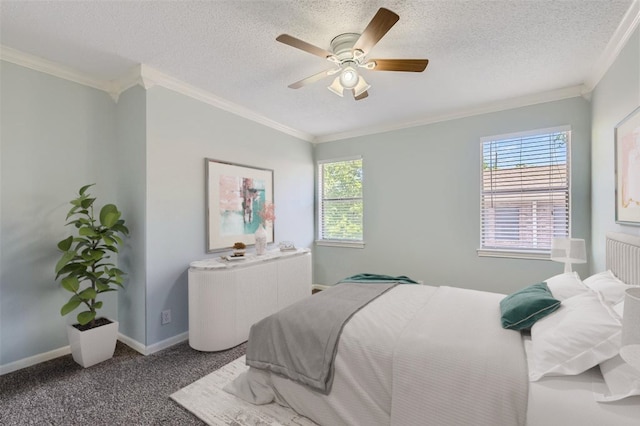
(84, 266)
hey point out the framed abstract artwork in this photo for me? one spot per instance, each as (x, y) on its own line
(627, 158)
(235, 195)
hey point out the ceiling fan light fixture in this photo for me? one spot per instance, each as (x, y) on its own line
(361, 87)
(358, 55)
(336, 87)
(349, 77)
(369, 65)
(349, 52)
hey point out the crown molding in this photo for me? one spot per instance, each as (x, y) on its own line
(537, 98)
(150, 77)
(52, 68)
(619, 39)
(146, 77)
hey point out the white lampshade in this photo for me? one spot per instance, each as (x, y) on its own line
(361, 87)
(630, 350)
(336, 87)
(568, 251)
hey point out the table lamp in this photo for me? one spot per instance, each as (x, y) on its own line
(630, 350)
(568, 251)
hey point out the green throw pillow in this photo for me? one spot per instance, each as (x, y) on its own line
(523, 308)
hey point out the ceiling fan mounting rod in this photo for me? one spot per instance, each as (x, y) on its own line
(342, 45)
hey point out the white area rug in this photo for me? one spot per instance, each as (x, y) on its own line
(206, 399)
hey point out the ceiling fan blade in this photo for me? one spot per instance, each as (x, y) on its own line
(303, 45)
(409, 65)
(381, 23)
(310, 79)
(361, 96)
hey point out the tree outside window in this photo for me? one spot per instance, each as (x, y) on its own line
(340, 207)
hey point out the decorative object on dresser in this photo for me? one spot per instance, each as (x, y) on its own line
(85, 260)
(630, 350)
(268, 216)
(226, 298)
(235, 195)
(239, 249)
(627, 166)
(261, 240)
(568, 251)
(287, 246)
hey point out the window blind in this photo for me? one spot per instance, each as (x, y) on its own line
(340, 200)
(525, 190)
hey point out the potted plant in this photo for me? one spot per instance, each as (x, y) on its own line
(86, 272)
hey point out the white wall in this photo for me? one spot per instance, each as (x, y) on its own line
(181, 133)
(422, 200)
(616, 95)
(55, 137)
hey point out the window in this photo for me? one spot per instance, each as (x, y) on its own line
(524, 192)
(340, 202)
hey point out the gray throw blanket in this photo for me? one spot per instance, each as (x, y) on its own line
(300, 342)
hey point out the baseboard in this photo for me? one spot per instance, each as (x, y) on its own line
(164, 344)
(156, 347)
(33, 360)
(66, 350)
(133, 344)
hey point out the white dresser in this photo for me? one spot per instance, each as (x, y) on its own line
(227, 297)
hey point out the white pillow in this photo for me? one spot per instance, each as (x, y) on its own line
(566, 285)
(612, 288)
(618, 308)
(622, 381)
(580, 335)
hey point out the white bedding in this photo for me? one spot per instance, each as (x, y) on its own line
(455, 365)
(361, 393)
(569, 401)
(361, 386)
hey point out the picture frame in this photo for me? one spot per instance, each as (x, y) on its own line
(627, 169)
(235, 194)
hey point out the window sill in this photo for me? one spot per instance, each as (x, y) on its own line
(338, 243)
(513, 254)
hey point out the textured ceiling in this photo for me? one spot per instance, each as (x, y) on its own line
(480, 52)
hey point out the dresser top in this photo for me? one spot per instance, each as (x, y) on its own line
(246, 260)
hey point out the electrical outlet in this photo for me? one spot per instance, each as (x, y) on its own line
(166, 316)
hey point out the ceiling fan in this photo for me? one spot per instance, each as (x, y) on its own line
(348, 54)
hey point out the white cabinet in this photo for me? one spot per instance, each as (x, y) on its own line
(227, 297)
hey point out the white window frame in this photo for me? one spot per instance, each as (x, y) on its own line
(319, 202)
(523, 253)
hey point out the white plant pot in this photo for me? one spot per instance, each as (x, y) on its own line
(93, 346)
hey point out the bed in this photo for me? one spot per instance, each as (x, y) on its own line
(397, 362)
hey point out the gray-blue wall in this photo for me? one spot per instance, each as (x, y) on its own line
(146, 153)
(181, 133)
(422, 200)
(131, 172)
(56, 136)
(615, 97)
(155, 142)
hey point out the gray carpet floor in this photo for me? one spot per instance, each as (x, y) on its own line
(129, 389)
